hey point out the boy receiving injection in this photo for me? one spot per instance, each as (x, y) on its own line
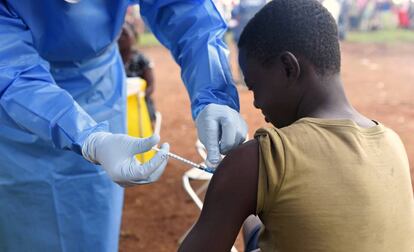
(325, 178)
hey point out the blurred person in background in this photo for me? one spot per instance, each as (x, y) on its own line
(411, 14)
(343, 19)
(137, 64)
(225, 8)
(241, 15)
(377, 15)
(405, 14)
(63, 115)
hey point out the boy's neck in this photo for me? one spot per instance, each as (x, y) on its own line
(325, 98)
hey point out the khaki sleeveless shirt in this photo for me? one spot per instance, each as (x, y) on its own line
(330, 185)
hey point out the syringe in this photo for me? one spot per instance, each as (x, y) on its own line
(192, 164)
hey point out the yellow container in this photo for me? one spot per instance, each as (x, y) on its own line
(138, 119)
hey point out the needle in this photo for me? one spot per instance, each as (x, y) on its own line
(201, 167)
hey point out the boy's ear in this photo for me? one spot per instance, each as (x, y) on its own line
(290, 65)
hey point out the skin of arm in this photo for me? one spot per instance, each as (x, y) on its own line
(231, 197)
(148, 76)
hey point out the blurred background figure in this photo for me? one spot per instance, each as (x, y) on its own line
(370, 15)
(241, 14)
(225, 8)
(339, 9)
(406, 14)
(343, 18)
(411, 14)
(136, 63)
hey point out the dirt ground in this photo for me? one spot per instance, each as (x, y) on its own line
(378, 80)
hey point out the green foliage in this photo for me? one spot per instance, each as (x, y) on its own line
(382, 36)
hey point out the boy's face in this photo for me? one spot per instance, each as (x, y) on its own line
(274, 94)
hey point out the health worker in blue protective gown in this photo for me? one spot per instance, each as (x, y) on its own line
(62, 111)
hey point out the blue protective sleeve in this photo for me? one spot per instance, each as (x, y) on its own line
(29, 94)
(193, 31)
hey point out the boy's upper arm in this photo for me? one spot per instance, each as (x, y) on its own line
(230, 199)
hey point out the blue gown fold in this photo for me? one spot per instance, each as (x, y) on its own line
(193, 31)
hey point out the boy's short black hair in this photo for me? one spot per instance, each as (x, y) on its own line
(304, 27)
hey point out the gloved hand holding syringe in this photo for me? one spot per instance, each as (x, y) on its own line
(198, 166)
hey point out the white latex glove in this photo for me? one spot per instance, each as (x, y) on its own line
(220, 128)
(116, 154)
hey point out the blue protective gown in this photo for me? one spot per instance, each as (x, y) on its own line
(61, 78)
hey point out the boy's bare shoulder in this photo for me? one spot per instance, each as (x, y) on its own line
(244, 156)
(240, 166)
